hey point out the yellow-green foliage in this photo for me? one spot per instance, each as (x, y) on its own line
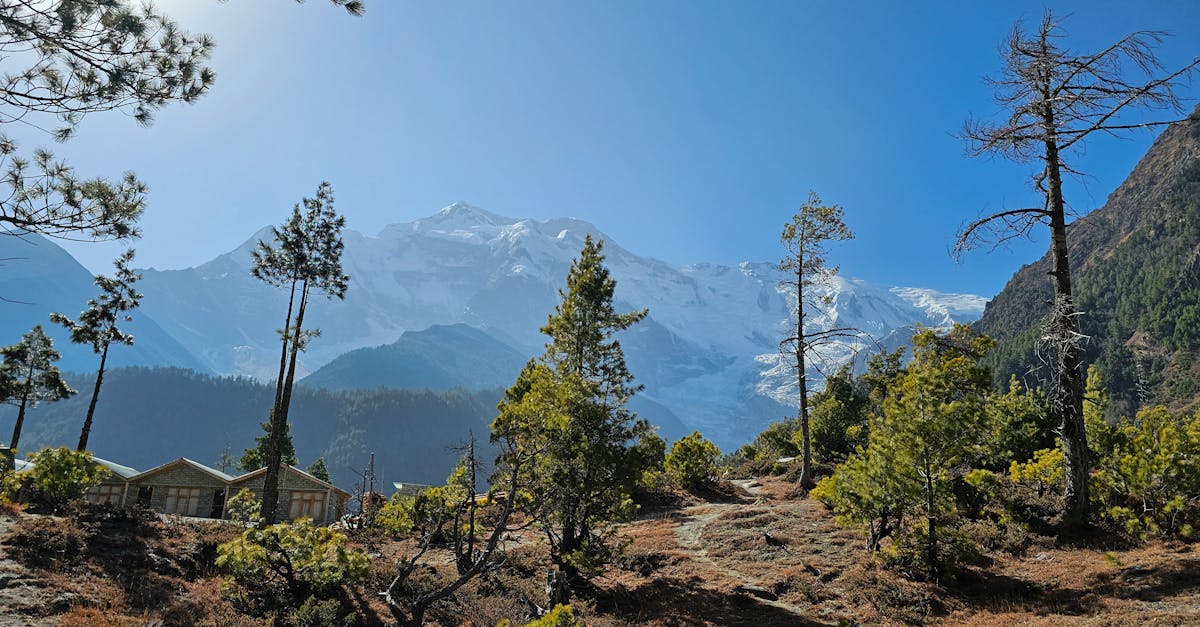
(315, 612)
(1045, 472)
(560, 616)
(431, 506)
(933, 417)
(1149, 477)
(10, 485)
(693, 461)
(396, 516)
(61, 475)
(243, 507)
(305, 558)
(1019, 423)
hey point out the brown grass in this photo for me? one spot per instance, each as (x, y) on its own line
(704, 564)
(92, 617)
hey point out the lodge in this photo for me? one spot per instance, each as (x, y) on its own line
(185, 487)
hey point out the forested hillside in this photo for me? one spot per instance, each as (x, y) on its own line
(1137, 283)
(150, 416)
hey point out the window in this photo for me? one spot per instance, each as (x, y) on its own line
(307, 505)
(105, 494)
(182, 501)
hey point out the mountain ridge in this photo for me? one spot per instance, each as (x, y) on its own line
(708, 351)
(1136, 262)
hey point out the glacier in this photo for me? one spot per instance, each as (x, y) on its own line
(709, 350)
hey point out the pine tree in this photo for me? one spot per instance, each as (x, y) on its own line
(318, 469)
(1056, 99)
(933, 418)
(805, 238)
(97, 325)
(255, 457)
(28, 376)
(67, 59)
(567, 411)
(306, 259)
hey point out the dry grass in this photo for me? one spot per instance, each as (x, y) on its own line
(760, 559)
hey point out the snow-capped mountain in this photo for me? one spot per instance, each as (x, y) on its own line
(709, 350)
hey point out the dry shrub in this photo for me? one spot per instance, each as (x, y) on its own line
(46, 542)
(93, 617)
(798, 585)
(482, 610)
(1013, 538)
(893, 597)
(644, 564)
(205, 606)
(197, 556)
(9, 508)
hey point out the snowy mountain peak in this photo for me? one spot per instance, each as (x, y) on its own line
(465, 215)
(709, 350)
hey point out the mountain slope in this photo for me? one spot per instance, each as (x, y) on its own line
(708, 351)
(444, 357)
(1136, 264)
(438, 358)
(147, 417)
(38, 277)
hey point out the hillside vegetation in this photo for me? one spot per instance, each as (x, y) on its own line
(1137, 276)
(153, 415)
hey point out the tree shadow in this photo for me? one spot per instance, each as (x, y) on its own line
(1151, 583)
(1001, 593)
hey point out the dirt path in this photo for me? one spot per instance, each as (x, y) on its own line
(20, 593)
(690, 537)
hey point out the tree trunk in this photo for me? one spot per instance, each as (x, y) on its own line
(269, 512)
(16, 436)
(806, 473)
(87, 422)
(283, 351)
(1070, 384)
(931, 552)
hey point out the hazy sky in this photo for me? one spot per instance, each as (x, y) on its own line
(687, 130)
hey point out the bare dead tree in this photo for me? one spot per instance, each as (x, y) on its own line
(1055, 100)
(459, 525)
(804, 239)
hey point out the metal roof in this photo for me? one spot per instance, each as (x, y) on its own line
(255, 473)
(217, 474)
(409, 489)
(124, 472)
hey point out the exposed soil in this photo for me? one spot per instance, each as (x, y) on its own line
(22, 593)
(755, 556)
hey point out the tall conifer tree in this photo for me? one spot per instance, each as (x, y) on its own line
(805, 238)
(306, 259)
(28, 376)
(97, 325)
(568, 407)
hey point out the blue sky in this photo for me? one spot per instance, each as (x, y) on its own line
(686, 130)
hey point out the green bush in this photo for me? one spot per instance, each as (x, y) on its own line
(1150, 474)
(1045, 472)
(317, 613)
(243, 507)
(61, 475)
(306, 559)
(396, 516)
(693, 461)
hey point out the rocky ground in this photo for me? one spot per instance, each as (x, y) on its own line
(751, 556)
